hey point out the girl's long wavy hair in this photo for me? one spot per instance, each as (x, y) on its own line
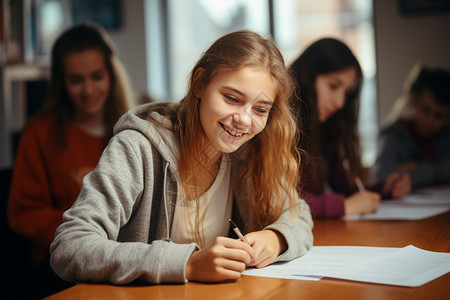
(59, 105)
(269, 173)
(327, 55)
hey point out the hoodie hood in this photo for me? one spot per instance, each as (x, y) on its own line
(155, 127)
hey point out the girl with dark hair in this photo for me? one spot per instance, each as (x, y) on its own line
(326, 103)
(89, 91)
(157, 207)
(417, 139)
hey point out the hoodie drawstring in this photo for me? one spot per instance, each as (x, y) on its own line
(165, 202)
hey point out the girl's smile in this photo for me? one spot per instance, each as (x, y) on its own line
(87, 82)
(231, 131)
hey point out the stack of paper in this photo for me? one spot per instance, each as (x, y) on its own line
(399, 211)
(408, 266)
(420, 204)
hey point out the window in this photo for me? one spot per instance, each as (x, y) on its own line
(299, 23)
(180, 30)
(191, 26)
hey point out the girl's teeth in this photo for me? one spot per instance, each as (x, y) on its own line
(233, 133)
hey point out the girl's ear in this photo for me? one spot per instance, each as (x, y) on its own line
(198, 82)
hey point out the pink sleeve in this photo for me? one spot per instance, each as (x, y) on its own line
(325, 205)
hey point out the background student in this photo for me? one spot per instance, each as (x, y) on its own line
(89, 91)
(326, 102)
(417, 139)
(157, 207)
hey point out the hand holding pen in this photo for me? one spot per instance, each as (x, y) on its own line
(222, 259)
(268, 244)
(363, 202)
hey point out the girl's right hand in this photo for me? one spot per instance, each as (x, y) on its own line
(223, 259)
(362, 203)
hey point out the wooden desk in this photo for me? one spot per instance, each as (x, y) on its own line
(430, 234)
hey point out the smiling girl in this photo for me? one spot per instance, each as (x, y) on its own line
(88, 93)
(326, 102)
(157, 206)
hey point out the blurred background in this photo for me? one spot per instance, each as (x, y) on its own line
(159, 42)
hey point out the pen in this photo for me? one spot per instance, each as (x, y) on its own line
(359, 183)
(238, 232)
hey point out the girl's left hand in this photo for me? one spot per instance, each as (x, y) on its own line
(397, 185)
(268, 244)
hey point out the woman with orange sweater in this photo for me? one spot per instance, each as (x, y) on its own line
(89, 91)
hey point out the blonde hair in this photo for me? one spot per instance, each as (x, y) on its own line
(269, 173)
(273, 160)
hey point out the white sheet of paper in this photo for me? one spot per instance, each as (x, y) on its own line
(420, 204)
(399, 211)
(408, 266)
(429, 196)
(318, 261)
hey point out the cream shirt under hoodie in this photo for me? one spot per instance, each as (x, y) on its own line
(118, 229)
(214, 210)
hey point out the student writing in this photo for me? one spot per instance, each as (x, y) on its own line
(416, 141)
(326, 102)
(157, 206)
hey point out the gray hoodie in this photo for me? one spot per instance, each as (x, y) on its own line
(118, 229)
(396, 145)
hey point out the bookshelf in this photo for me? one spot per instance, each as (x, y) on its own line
(24, 73)
(23, 91)
(28, 29)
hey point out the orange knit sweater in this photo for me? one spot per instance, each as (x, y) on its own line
(46, 180)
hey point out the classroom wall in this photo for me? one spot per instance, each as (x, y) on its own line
(130, 42)
(401, 41)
